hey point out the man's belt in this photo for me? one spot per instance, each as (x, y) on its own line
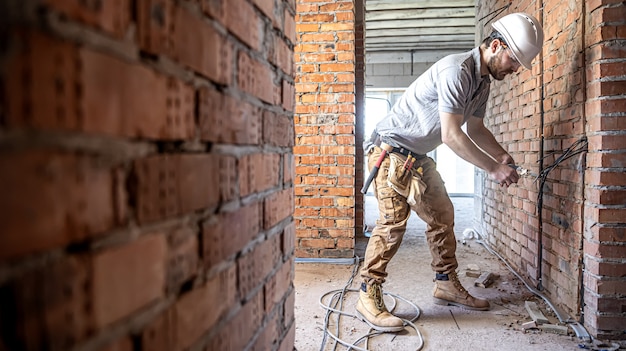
(398, 150)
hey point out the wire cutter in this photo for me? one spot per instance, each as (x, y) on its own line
(523, 171)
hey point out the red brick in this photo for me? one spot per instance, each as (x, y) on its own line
(611, 234)
(289, 340)
(215, 9)
(160, 333)
(258, 172)
(228, 233)
(170, 185)
(246, 322)
(200, 309)
(267, 6)
(154, 20)
(277, 207)
(112, 16)
(606, 196)
(242, 20)
(53, 199)
(255, 78)
(269, 335)
(182, 257)
(255, 266)
(604, 251)
(317, 243)
(127, 278)
(278, 285)
(278, 129)
(229, 184)
(130, 100)
(123, 344)
(40, 83)
(224, 119)
(602, 268)
(283, 56)
(47, 308)
(196, 44)
(288, 96)
(289, 308)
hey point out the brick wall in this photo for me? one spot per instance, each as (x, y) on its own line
(147, 182)
(325, 122)
(574, 90)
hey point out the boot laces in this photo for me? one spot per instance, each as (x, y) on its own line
(376, 293)
(457, 284)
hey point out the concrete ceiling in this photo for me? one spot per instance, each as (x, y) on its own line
(422, 30)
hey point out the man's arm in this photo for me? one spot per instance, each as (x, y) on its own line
(453, 136)
(485, 140)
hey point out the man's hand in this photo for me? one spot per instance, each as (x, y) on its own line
(504, 174)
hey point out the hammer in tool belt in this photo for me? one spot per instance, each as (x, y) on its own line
(386, 148)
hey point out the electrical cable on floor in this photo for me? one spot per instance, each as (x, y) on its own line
(578, 329)
(335, 306)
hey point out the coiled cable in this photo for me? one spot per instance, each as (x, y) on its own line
(336, 304)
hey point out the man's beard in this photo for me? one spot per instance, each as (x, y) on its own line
(492, 66)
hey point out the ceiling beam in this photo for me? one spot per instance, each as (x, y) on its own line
(376, 33)
(405, 56)
(420, 23)
(390, 40)
(404, 14)
(460, 46)
(374, 5)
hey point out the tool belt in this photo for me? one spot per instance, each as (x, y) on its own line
(376, 140)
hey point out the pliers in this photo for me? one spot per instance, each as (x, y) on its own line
(523, 171)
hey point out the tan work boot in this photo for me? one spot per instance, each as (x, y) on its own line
(449, 291)
(371, 309)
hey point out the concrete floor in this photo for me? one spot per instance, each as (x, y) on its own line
(410, 276)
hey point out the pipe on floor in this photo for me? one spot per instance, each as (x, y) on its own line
(353, 260)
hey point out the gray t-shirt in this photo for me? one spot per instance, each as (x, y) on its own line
(454, 85)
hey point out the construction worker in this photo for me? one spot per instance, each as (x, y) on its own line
(450, 94)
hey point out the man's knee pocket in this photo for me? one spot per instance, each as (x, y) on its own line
(393, 206)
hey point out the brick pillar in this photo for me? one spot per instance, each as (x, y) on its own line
(325, 129)
(605, 183)
(147, 175)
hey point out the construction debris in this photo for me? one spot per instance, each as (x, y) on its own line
(529, 325)
(473, 274)
(485, 279)
(535, 313)
(554, 328)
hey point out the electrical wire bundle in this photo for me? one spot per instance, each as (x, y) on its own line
(576, 148)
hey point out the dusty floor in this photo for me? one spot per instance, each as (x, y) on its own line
(410, 276)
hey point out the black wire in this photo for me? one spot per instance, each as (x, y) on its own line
(576, 148)
(495, 13)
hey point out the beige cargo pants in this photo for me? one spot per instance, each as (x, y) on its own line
(431, 203)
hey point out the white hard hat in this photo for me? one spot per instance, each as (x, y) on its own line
(523, 34)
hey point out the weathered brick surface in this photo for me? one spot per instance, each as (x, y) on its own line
(147, 157)
(170, 185)
(113, 17)
(53, 199)
(127, 278)
(577, 84)
(48, 307)
(325, 78)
